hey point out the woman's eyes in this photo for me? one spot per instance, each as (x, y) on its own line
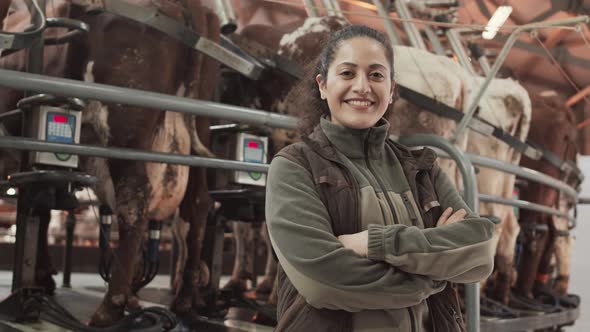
(377, 75)
(349, 73)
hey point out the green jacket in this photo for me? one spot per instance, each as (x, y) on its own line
(342, 181)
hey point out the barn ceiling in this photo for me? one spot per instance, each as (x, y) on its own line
(529, 59)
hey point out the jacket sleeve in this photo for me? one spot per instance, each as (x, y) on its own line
(325, 273)
(462, 252)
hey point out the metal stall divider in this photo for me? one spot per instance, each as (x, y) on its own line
(546, 320)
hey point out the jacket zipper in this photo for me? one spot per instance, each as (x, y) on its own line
(389, 203)
(410, 208)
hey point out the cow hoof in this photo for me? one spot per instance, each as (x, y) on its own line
(133, 303)
(265, 287)
(107, 314)
(181, 306)
(236, 286)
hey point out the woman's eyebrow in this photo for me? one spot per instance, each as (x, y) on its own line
(354, 65)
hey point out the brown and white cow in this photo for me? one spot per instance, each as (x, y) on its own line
(124, 53)
(506, 105)
(553, 128)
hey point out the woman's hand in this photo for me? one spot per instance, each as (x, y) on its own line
(358, 242)
(448, 217)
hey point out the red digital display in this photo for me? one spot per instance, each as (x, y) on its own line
(253, 145)
(60, 119)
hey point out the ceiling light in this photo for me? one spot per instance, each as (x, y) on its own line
(497, 20)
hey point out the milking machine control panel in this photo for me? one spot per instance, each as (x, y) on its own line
(253, 149)
(57, 125)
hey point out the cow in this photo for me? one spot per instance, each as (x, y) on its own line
(506, 105)
(124, 53)
(541, 232)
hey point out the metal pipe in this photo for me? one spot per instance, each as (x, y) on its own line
(523, 172)
(227, 17)
(455, 41)
(471, 198)
(151, 100)
(28, 144)
(387, 23)
(525, 205)
(438, 3)
(311, 8)
(409, 27)
(67, 264)
(329, 6)
(35, 53)
(484, 64)
(337, 8)
(434, 41)
(501, 57)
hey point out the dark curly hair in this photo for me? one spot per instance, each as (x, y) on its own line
(305, 97)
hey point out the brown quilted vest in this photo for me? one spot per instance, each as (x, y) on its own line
(340, 193)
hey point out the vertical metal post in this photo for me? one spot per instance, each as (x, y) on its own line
(35, 53)
(67, 267)
(455, 40)
(337, 8)
(25, 249)
(413, 33)
(471, 198)
(434, 41)
(330, 10)
(484, 64)
(312, 10)
(501, 57)
(384, 13)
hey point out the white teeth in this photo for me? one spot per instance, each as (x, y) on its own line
(359, 103)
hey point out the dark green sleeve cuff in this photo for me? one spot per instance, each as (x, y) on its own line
(376, 250)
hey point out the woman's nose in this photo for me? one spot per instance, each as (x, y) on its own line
(361, 85)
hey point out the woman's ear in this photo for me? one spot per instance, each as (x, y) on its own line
(392, 92)
(321, 86)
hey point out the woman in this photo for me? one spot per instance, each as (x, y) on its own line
(347, 209)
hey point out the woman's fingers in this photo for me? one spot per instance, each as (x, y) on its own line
(448, 217)
(457, 216)
(444, 216)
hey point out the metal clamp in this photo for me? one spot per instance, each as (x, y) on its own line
(73, 104)
(76, 27)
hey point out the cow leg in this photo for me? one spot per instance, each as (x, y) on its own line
(506, 274)
(243, 259)
(44, 269)
(563, 245)
(270, 271)
(545, 266)
(535, 239)
(131, 232)
(194, 208)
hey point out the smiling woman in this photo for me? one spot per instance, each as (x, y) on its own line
(360, 85)
(355, 219)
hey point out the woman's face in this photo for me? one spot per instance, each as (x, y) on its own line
(358, 87)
